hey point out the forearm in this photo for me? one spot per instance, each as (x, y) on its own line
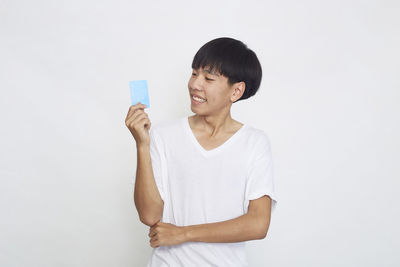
(146, 196)
(239, 229)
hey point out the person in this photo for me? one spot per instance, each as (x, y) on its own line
(204, 183)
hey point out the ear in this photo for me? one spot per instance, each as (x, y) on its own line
(238, 90)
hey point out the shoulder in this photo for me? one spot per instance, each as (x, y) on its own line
(166, 127)
(258, 138)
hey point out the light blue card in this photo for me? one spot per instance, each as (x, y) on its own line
(139, 92)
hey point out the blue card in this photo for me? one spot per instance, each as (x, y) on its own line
(139, 92)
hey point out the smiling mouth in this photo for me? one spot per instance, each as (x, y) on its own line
(198, 99)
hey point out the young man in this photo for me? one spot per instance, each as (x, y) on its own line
(204, 183)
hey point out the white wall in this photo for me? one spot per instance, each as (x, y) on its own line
(328, 100)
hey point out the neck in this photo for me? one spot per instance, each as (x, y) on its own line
(214, 125)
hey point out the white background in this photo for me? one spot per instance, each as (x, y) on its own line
(329, 101)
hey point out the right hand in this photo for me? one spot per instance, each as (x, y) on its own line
(138, 124)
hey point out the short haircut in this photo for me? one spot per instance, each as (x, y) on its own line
(234, 60)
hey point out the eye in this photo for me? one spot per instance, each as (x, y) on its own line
(193, 74)
(209, 79)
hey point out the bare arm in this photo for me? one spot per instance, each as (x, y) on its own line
(147, 198)
(252, 225)
(240, 229)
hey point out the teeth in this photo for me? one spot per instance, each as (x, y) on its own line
(198, 99)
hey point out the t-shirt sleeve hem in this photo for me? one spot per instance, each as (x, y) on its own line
(274, 199)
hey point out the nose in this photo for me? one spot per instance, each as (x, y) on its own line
(195, 84)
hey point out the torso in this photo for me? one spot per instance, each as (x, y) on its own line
(210, 143)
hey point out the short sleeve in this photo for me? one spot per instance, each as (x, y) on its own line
(158, 161)
(260, 179)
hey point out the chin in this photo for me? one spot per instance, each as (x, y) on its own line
(199, 113)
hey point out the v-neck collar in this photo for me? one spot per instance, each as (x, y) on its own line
(215, 150)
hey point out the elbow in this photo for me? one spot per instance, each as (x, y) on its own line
(263, 233)
(150, 221)
(263, 226)
(262, 230)
(150, 216)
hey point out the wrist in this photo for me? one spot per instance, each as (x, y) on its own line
(143, 147)
(187, 233)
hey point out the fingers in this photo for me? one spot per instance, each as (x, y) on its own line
(152, 233)
(133, 108)
(154, 243)
(137, 117)
(135, 114)
(153, 237)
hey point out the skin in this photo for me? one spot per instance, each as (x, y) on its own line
(250, 226)
(139, 124)
(147, 198)
(212, 124)
(212, 120)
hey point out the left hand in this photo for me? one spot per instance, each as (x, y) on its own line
(166, 234)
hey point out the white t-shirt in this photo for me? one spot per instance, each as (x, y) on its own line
(204, 186)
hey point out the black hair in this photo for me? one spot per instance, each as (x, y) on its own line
(234, 60)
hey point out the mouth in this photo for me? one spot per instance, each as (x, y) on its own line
(198, 100)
